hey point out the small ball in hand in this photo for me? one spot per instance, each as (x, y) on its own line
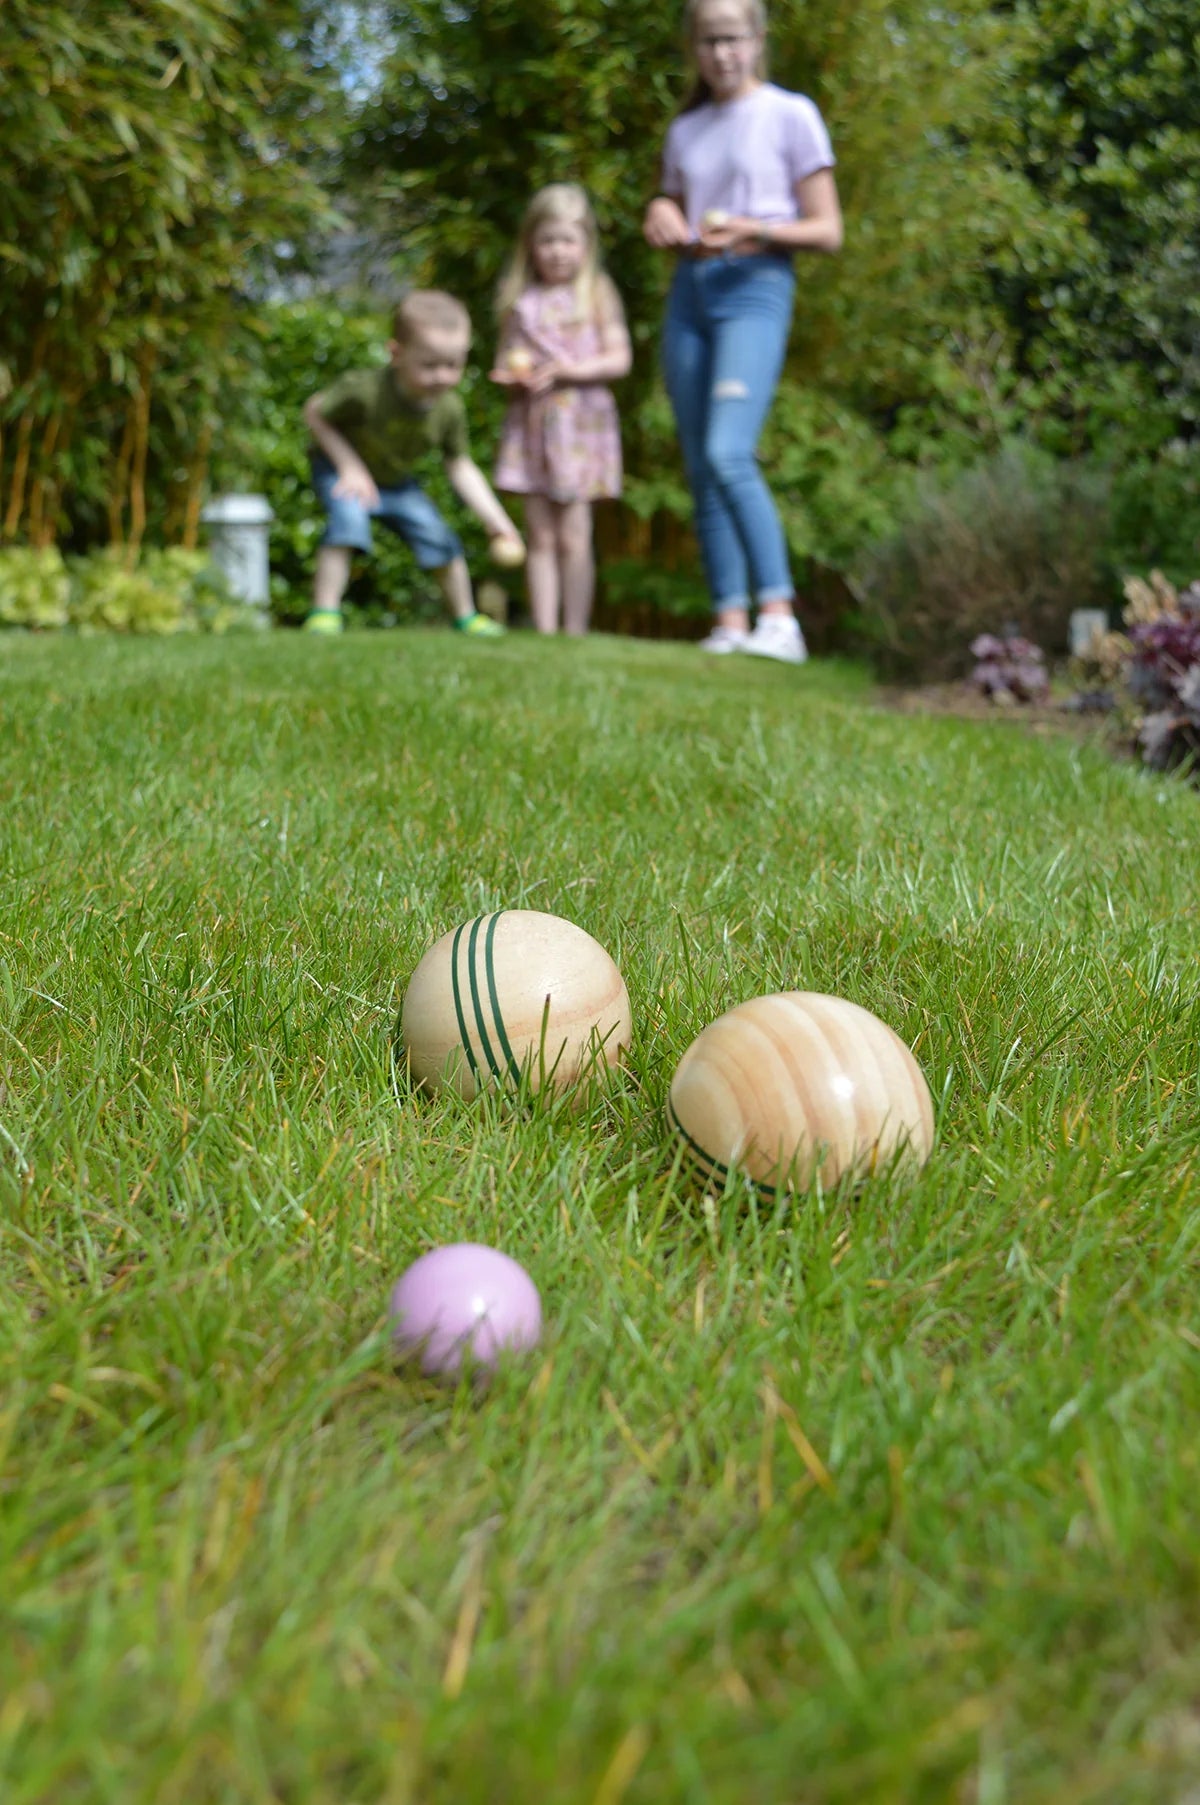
(520, 361)
(506, 551)
(714, 219)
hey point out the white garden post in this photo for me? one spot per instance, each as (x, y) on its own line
(1085, 624)
(239, 529)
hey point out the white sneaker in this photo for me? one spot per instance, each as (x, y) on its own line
(726, 639)
(777, 636)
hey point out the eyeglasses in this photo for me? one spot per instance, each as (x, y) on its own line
(729, 41)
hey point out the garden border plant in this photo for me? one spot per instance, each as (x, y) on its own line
(1152, 670)
(159, 592)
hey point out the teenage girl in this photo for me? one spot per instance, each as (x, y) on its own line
(562, 340)
(747, 181)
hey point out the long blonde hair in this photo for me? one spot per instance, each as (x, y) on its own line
(755, 14)
(561, 203)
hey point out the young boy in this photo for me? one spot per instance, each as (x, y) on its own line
(369, 427)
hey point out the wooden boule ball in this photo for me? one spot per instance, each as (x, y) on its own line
(506, 551)
(798, 1085)
(520, 360)
(514, 997)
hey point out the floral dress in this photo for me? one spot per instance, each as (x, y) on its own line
(566, 443)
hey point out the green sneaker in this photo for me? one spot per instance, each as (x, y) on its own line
(479, 626)
(325, 620)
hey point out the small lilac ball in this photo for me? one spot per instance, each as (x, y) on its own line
(464, 1298)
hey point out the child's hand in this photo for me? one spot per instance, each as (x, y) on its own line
(547, 374)
(514, 371)
(511, 379)
(355, 483)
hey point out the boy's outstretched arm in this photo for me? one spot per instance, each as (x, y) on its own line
(475, 492)
(355, 481)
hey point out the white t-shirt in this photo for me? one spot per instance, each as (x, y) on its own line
(745, 156)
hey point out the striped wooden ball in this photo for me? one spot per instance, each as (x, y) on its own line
(787, 1087)
(514, 995)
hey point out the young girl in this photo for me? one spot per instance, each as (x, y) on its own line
(747, 181)
(562, 339)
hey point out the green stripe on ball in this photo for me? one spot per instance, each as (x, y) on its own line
(490, 966)
(458, 1008)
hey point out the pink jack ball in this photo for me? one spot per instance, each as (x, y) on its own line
(464, 1301)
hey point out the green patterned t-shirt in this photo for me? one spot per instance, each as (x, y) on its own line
(388, 431)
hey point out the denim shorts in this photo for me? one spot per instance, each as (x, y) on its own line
(406, 510)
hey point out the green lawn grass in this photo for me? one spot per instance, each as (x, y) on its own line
(881, 1497)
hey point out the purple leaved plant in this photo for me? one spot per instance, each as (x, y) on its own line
(1009, 666)
(1164, 675)
(1167, 652)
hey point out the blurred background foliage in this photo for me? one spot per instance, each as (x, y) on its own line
(211, 208)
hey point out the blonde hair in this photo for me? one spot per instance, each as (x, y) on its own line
(755, 14)
(561, 203)
(428, 310)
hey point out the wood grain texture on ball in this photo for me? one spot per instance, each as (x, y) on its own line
(510, 553)
(789, 1086)
(514, 995)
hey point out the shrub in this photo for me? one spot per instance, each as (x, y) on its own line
(632, 582)
(207, 605)
(1163, 668)
(34, 588)
(638, 597)
(1156, 512)
(108, 597)
(170, 591)
(1009, 668)
(1018, 539)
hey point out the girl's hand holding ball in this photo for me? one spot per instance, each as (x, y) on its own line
(515, 370)
(546, 375)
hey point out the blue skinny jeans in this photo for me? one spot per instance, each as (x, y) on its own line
(723, 346)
